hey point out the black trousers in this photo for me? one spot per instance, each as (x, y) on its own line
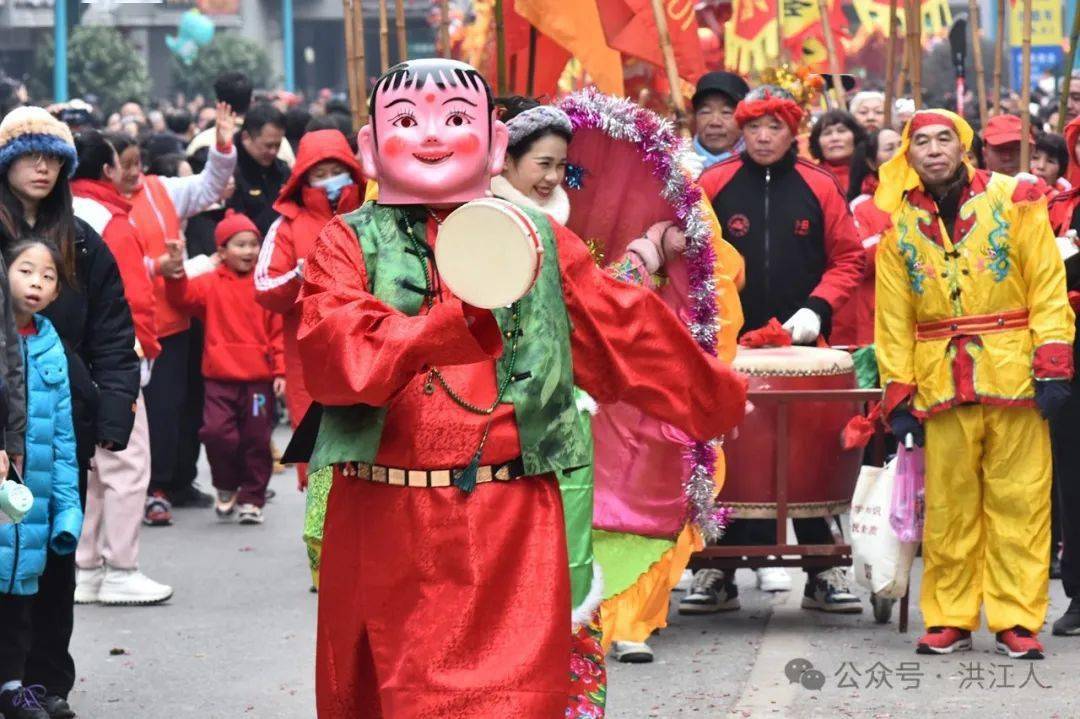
(16, 628)
(1065, 437)
(191, 418)
(756, 532)
(53, 615)
(165, 397)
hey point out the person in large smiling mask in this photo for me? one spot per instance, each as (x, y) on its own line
(444, 580)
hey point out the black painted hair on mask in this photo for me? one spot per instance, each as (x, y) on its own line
(414, 74)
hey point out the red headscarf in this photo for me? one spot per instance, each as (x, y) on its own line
(788, 111)
(925, 119)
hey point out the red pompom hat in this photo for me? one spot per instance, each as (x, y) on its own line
(233, 224)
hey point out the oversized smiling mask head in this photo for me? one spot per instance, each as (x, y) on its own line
(433, 138)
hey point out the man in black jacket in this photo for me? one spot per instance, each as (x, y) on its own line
(260, 175)
(788, 219)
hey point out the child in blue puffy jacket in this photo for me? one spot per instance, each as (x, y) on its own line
(49, 469)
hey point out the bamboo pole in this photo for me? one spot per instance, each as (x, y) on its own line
(530, 75)
(976, 46)
(1066, 78)
(1025, 91)
(354, 61)
(500, 47)
(444, 26)
(834, 61)
(660, 15)
(402, 38)
(914, 41)
(361, 62)
(384, 37)
(999, 57)
(890, 65)
(779, 32)
(905, 60)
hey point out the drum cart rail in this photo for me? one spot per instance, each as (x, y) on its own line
(797, 555)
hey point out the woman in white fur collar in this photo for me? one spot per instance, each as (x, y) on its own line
(533, 177)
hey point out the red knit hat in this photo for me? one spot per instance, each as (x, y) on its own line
(233, 224)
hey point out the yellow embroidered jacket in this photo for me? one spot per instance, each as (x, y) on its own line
(976, 315)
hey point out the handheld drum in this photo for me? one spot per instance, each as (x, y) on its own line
(489, 253)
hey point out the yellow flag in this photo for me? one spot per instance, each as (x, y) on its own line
(874, 15)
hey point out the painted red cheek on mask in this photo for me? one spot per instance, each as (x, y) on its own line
(467, 145)
(393, 147)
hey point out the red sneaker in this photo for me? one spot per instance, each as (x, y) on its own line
(158, 512)
(944, 640)
(1019, 643)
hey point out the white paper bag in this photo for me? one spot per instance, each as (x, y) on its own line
(881, 562)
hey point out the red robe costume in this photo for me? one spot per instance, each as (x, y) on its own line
(304, 211)
(434, 603)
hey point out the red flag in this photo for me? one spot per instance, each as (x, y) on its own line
(549, 61)
(804, 36)
(630, 28)
(550, 58)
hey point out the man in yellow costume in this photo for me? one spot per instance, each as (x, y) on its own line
(974, 334)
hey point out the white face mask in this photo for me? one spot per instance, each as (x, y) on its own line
(334, 185)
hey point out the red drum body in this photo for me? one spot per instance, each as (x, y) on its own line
(821, 474)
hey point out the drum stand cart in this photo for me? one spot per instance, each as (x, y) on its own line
(783, 554)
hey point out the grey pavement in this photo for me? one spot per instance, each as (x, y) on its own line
(237, 641)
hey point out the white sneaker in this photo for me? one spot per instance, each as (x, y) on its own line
(773, 579)
(632, 652)
(131, 587)
(685, 581)
(250, 514)
(88, 585)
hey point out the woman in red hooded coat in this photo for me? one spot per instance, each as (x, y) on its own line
(325, 181)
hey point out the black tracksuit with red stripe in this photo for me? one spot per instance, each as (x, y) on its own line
(792, 226)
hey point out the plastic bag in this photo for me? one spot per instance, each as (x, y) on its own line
(908, 508)
(880, 561)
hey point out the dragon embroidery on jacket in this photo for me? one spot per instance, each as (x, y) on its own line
(997, 252)
(915, 267)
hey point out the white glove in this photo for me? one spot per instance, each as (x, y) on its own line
(1067, 245)
(804, 326)
(692, 163)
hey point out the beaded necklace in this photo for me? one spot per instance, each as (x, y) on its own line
(465, 480)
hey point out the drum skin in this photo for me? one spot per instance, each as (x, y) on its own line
(822, 475)
(489, 253)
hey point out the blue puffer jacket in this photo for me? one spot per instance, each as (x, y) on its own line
(49, 469)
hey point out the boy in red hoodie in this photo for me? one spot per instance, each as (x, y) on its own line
(325, 181)
(243, 363)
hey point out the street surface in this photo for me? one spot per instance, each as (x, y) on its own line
(237, 640)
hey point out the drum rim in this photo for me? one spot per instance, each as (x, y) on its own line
(834, 371)
(515, 215)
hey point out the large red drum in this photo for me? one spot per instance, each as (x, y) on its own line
(821, 474)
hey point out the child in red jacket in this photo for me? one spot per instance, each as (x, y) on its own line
(243, 367)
